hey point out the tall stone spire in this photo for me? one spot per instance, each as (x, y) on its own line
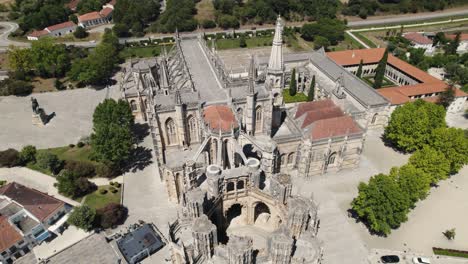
(275, 63)
(252, 76)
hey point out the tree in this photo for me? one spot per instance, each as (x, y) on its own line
(11, 86)
(28, 154)
(206, 24)
(112, 138)
(111, 215)
(440, 39)
(72, 185)
(86, 6)
(49, 59)
(331, 29)
(381, 204)
(242, 42)
(293, 84)
(82, 217)
(453, 144)
(359, 70)
(449, 234)
(432, 162)
(414, 181)
(121, 30)
(321, 42)
(19, 59)
(311, 94)
(9, 158)
(411, 125)
(446, 98)
(48, 161)
(452, 46)
(80, 32)
(380, 71)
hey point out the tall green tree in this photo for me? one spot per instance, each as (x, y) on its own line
(82, 217)
(49, 59)
(411, 125)
(19, 59)
(413, 181)
(447, 97)
(381, 204)
(452, 46)
(453, 143)
(112, 138)
(293, 83)
(432, 162)
(359, 70)
(311, 94)
(380, 71)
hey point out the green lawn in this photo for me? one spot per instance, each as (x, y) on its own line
(223, 44)
(142, 52)
(365, 40)
(299, 97)
(97, 200)
(385, 83)
(450, 252)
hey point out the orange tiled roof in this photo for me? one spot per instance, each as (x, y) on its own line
(334, 127)
(61, 26)
(393, 95)
(89, 16)
(37, 203)
(38, 33)
(353, 57)
(417, 38)
(8, 234)
(319, 114)
(305, 107)
(219, 117)
(106, 11)
(463, 37)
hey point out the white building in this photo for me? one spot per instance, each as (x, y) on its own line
(419, 41)
(54, 31)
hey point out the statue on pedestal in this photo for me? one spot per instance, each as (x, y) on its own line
(39, 116)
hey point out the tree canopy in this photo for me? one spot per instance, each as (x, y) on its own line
(178, 15)
(411, 125)
(453, 143)
(331, 29)
(432, 162)
(135, 14)
(82, 217)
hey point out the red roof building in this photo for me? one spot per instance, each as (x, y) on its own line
(9, 236)
(220, 117)
(418, 38)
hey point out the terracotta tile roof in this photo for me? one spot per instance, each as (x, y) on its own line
(89, 16)
(63, 25)
(411, 70)
(8, 234)
(319, 114)
(353, 57)
(38, 33)
(106, 11)
(334, 127)
(463, 37)
(305, 107)
(460, 93)
(219, 117)
(37, 203)
(417, 38)
(393, 95)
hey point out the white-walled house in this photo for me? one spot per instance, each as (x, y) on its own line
(419, 41)
(54, 31)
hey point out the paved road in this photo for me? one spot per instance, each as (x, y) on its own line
(202, 73)
(4, 41)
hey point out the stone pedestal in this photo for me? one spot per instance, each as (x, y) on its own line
(37, 119)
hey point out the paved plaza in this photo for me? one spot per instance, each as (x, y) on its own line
(73, 117)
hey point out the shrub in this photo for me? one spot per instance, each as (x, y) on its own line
(2, 183)
(9, 158)
(102, 191)
(117, 185)
(111, 215)
(80, 144)
(69, 184)
(28, 154)
(48, 161)
(113, 190)
(15, 87)
(80, 33)
(208, 23)
(111, 183)
(104, 171)
(71, 145)
(80, 168)
(449, 234)
(59, 85)
(82, 217)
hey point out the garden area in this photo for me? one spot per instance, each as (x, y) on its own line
(104, 195)
(298, 97)
(385, 82)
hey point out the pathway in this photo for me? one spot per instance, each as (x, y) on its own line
(202, 73)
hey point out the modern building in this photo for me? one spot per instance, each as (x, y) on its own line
(58, 30)
(27, 218)
(420, 41)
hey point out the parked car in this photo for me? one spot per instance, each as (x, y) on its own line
(390, 259)
(421, 260)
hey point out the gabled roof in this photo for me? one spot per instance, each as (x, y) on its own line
(417, 38)
(8, 234)
(334, 127)
(463, 37)
(38, 33)
(63, 25)
(220, 117)
(106, 11)
(37, 203)
(305, 107)
(89, 16)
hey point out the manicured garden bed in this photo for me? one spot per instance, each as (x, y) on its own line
(299, 97)
(385, 83)
(99, 199)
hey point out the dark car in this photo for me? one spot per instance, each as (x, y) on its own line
(390, 259)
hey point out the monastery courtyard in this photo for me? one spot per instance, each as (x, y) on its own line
(146, 197)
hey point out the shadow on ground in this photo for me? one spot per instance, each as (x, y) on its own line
(140, 158)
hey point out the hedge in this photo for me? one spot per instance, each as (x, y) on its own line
(450, 252)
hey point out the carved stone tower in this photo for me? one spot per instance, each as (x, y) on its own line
(204, 236)
(275, 70)
(240, 250)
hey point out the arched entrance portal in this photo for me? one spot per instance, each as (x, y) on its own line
(260, 208)
(234, 211)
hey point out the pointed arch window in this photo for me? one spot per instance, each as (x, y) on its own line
(258, 118)
(192, 129)
(133, 105)
(171, 132)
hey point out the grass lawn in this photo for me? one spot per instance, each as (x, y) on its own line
(142, 52)
(97, 200)
(223, 44)
(450, 252)
(385, 83)
(205, 10)
(299, 97)
(365, 39)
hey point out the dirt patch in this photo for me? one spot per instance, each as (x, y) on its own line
(205, 10)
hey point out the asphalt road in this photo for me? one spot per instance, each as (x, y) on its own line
(12, 26)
